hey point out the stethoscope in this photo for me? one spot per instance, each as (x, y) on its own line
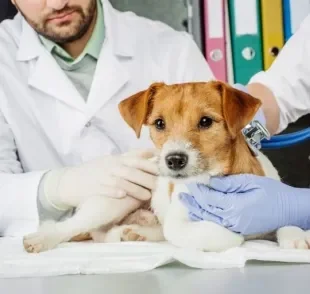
(286, 140)
(258, 137)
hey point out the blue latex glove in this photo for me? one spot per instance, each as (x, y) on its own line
(259, 116)
(248, 204)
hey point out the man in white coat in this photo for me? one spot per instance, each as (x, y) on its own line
(64, 67)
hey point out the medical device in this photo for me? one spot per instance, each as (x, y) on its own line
(258, 137)
(286, 140)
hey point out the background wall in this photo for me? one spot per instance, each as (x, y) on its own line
(7, 10)
(172, 12)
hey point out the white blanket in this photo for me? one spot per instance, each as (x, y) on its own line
(90, 258)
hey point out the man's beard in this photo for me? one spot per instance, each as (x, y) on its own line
(77, 29)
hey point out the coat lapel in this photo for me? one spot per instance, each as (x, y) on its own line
(45, 74)
(51, 79)
(109, 78)
(118, 50)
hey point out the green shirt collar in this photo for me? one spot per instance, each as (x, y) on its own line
(93, 47)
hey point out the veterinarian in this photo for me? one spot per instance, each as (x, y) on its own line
(64, 67)
(250, 204)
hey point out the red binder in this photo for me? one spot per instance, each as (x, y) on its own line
(215, 37)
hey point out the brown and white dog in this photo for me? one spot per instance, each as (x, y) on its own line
(196, 128)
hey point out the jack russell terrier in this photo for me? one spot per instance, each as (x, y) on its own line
(197, 129)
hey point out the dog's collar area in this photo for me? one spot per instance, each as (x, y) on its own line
(254, 133)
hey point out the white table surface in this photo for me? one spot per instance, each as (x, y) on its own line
(255, 278)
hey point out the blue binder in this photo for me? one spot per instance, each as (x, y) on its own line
(294, 12)
(287, 19)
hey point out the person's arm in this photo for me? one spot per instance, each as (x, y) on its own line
(249, 204)
(181, 59)
(18, 190)
(270, 106)
(47, 211)
(26, 198)
(194, 67)
(284, 88)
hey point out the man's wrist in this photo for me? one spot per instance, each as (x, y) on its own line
(51, 191)
(45, 210)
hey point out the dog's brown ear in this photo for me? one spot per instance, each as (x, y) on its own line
(239, 107)
(136, 108)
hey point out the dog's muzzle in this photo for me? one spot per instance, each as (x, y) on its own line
(176, 161)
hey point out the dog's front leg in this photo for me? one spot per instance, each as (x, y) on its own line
(93, 214)
(200, 235)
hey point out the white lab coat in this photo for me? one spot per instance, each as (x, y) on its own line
(46, 124)
(289, 77)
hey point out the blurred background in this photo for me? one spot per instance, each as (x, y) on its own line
(238, 38)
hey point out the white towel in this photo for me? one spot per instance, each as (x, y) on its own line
(91, 258)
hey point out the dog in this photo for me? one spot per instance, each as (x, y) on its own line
(196, 127)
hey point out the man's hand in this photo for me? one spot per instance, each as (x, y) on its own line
(249, 204)
(132, 174)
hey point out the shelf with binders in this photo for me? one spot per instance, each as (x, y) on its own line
(253, 33)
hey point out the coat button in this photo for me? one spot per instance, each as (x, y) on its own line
(88, 124)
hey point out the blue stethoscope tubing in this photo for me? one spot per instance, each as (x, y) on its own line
(286, 140)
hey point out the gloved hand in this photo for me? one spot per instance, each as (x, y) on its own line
(131, 174)
(259, 116)
(248, 204)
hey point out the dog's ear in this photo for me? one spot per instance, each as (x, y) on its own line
(136, 108)
(239, 107)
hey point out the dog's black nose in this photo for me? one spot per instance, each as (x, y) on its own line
(176, 161)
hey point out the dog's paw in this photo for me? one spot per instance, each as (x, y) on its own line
(98, 236)
(47, 237)
(33, 243)
(123, 233)
(293, 238)
(141, 217)
(132, 234)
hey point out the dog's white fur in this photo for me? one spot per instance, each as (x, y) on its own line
(108, 219)
(205, 235)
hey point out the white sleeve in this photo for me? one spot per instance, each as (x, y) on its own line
(18, 190)
(289, 77)
(193, 65)
(183, 61)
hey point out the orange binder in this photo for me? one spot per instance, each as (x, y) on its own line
(272, 30)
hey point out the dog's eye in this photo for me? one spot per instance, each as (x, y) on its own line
(160, 124)
(205, 122)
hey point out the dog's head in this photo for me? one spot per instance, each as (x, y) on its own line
(195, 125)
